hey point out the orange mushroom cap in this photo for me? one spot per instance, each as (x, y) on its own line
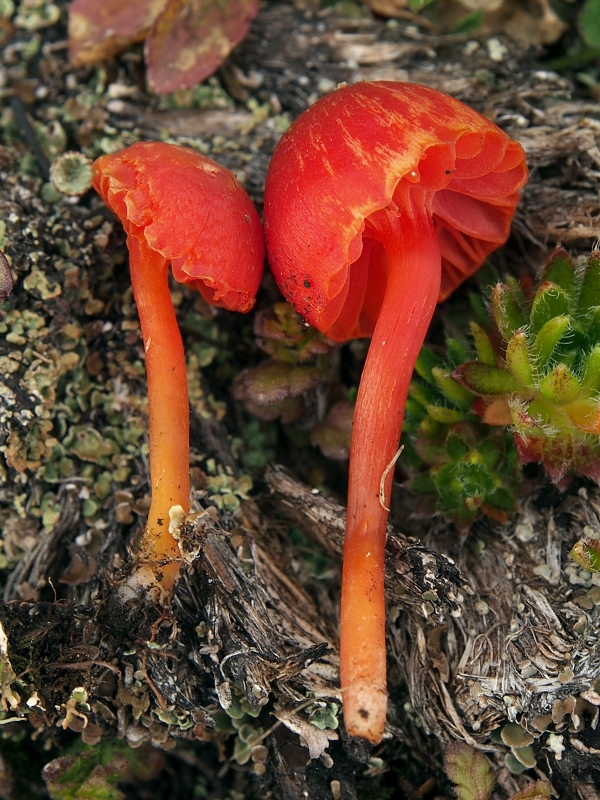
(193, 212)
(352, 154)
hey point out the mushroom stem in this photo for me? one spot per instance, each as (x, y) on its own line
(168, 406)
(411, 293)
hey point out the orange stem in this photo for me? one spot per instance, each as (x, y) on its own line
(168, 407)
(413, 284)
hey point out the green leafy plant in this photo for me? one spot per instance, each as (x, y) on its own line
(589, 23)
(473, 779)
(93, 773)
(540, 372)
(583, 52)
(462, 464)
(530, 394)
(470, 772)
(586, 553)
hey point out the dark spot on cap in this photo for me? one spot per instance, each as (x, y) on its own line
(448, 172)
(364, 713)
(306, 283)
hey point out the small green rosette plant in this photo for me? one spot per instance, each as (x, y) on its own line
(530, 392)
(541, 373)
(462, 465)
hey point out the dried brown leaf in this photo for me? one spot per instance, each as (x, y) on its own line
(191, 38)
(315, 739)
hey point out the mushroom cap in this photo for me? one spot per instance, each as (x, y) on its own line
(355, 152)
(193, 212)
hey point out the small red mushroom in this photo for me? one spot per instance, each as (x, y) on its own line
(179, 207)
(380, 199)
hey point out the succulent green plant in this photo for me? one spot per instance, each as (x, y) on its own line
(462, 464)
(586, 553)
(540, 374)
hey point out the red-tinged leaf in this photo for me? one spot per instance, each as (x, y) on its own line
(557, 455)
(535, 791)
(333, 435)
(99, 30)
(561, 269)
(586, 552)
(191, 38)
(587, 458)
(470, 772)
(273, 381)
(529, 448)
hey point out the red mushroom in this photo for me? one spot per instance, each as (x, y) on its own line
(176, 206)
(380, 199)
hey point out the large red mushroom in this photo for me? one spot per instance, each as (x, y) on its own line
(380, 199)
(178, 207)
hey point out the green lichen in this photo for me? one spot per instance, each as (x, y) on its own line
(37, 281)
(323, 715)
(207, 95)
(35, 14)
(71, 174)
(225, 490)
(55, 381)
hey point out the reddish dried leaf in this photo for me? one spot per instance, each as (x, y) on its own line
(191, 38)
(100, 30)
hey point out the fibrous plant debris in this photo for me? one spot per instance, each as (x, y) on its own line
(6, 279)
